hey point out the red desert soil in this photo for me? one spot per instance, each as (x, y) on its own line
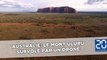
(19, 24)
(44, 25)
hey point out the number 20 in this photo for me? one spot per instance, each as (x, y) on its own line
(101, 44)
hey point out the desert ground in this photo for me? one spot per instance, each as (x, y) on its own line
(17, 26)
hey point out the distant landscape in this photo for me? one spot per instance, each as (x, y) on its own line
(17, 26)
(50, 23)
(52, 19)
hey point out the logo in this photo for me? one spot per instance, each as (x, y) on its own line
(101, 45)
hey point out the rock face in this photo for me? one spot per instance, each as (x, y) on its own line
(57, 10)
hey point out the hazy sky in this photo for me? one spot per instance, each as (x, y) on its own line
(33, 5)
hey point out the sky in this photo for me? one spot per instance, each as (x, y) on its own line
(33, 5)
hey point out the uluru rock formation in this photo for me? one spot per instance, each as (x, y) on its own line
(57, 10)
